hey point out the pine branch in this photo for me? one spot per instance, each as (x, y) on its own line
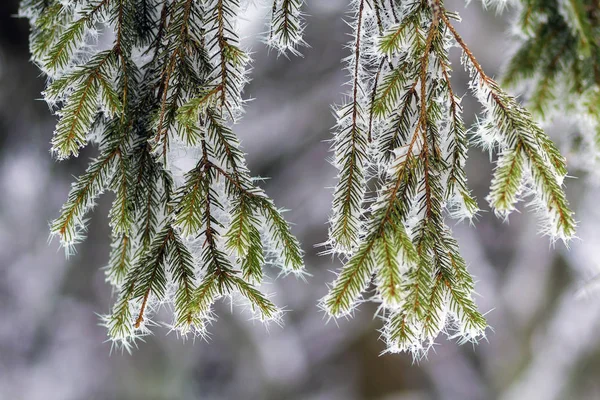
(61, 53)
(286, 26)
(81, 198)
(400, 240)
(556, 66)
(170, 83)
(517, 129)
(351, 148)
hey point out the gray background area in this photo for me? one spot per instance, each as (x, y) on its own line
(544, 343)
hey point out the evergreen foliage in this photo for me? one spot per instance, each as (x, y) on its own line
(557, 66)
(401, 146)
(144, 79)
(287, 26)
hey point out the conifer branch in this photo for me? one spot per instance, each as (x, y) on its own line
(286, 26)
(400, 240)
(351, 146)
(556, 66)
(181, 238)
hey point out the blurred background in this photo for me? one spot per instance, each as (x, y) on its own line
(543, 343)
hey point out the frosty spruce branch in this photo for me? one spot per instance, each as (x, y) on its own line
(144, 79)
(148, 80)
(557, 66)
(400, 147)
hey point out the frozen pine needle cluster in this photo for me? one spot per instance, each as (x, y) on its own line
(286, 26)
(400, 147)
(557, 66)
(148, 80)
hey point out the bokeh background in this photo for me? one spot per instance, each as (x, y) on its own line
(545, 316)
